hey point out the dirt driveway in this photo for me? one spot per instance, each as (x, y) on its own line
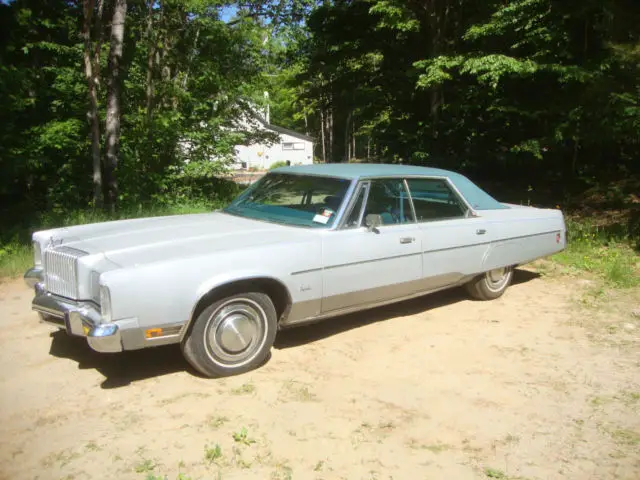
(539, 384)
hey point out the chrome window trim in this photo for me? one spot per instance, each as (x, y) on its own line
(413, 207)
(428, 177)
(469, 213)
(346, 202)
(360, 187)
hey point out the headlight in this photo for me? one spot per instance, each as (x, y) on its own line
(37, 254)
(105, 303)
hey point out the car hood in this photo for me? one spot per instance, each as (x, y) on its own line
(142, 241)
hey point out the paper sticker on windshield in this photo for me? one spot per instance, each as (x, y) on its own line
(324, 216)
(321, 219)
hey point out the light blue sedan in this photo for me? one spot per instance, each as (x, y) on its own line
(300, 245)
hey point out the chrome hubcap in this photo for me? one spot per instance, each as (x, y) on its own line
(235, 332)
(496, 275)
(496, 279)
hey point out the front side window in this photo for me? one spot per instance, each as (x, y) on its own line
(297, 200)
(433, 199)
(389, 199)
(353, 219)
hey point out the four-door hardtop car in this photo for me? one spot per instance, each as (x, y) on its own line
(301, 244)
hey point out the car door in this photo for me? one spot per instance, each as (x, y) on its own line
(453, 242)
(370, 265)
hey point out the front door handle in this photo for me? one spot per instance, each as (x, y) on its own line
(481, 231)
(407, 240)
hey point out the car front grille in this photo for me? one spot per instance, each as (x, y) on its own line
(61, 271)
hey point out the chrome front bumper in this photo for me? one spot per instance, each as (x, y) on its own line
(81, 319)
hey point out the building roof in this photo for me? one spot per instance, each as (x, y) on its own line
(278, 129)
(477, 198)
(286, 131)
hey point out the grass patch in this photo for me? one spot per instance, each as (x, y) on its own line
(244, 389)
(243, 437)
(593, 249)
(16, 255)
(212, 454)
(624, 436)
(216, 421)
(145, 466)
(15, 259)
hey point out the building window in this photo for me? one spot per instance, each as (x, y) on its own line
(293, 146)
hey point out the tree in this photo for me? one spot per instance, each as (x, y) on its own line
(112, 127)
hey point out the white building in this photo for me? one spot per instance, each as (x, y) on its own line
(292, 147)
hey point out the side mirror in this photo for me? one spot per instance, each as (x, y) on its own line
(372, 221)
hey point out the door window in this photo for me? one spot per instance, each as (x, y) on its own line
(389, 199)
(353, 219)
(433, 199)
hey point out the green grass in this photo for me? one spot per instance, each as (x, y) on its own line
(611, 257)
(16, 254)
(15, 259)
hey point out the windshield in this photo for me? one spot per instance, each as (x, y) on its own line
(297, 200)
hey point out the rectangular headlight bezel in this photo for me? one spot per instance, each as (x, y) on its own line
(105, 304)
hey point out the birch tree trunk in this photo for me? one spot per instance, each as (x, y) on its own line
(112, 128)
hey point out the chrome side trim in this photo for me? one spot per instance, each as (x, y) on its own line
(382, 259)
(297, 317)
(302, 272)
(457, 247)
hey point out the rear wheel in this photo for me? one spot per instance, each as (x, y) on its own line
(232, 335)
(490, 285)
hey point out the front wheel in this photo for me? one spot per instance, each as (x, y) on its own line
(490, 285)
(232, 335)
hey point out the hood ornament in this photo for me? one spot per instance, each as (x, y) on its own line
(54, 242)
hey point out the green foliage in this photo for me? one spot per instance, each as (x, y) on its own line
(16, 255)
(594, 249)
(243, 437)
(15, 259)
(278, 164)
(212, 454)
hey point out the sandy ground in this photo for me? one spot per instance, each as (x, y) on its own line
(540, 384)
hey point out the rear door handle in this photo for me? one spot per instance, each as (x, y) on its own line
(481, 231)
(407, 240)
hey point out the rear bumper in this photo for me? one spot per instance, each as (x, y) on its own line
(81, 319)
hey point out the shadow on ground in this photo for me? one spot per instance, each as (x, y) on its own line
(121, 369)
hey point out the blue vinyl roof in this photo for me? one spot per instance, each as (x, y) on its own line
(477, 198)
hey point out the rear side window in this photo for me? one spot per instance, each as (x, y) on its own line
(433, 199)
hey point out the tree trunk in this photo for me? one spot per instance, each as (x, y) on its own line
(347, 141)
(92, 112)
(353, 140)
(112, 130)
(330, 131)
(322, 127)
(150, 63)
